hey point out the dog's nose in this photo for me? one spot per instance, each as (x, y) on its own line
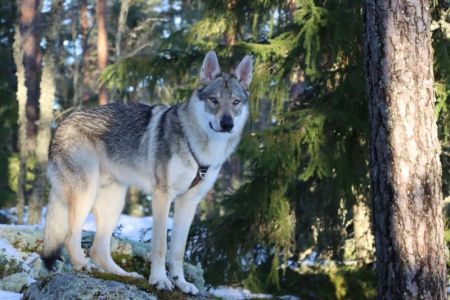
(226, 123)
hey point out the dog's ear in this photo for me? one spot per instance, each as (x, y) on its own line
(244, 72)
(210, 68)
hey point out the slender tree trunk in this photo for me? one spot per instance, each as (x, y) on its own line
(102, 47)
(86, 48)
(404, 148)
(22, 121)
(364, 239)
(76, 102)
(120, 31)
(133, 206)
(28, 17)
(121, 27)
(46, 102)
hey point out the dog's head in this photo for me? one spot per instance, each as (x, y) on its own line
(224, 96)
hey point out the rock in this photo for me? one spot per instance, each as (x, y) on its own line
(82, 286)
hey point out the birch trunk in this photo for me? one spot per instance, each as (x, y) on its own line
(46, 102)
(404, 149)
(22, 122)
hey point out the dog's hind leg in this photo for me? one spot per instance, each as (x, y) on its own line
(107, 211)
(184, 214)
(81, 201)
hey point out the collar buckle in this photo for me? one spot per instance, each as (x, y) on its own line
(202, 172)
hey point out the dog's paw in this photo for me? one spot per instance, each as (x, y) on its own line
(186, 287)
(162, 284)
(87, 267)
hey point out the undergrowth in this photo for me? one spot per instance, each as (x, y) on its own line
(325, 283)
(9, 266)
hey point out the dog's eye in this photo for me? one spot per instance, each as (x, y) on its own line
(236, 102)
(213, 100)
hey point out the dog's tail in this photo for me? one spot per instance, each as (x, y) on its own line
(56, 228)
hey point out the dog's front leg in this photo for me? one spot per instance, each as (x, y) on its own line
(184, 213)
(161, 207)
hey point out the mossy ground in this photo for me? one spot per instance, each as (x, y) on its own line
(143, 285)
(132, 264)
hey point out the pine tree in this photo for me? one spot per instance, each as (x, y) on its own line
(405, 165)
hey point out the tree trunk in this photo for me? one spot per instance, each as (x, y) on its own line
(85, 43)
(404, 150)
(121, 27)
(120, 31)
(364, 239)
(76, 102)
(102, 47)
(22, 122)
(28, 17)
(133, 206)
(46, 102)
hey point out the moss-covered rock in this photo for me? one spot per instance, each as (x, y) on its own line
(82, 286)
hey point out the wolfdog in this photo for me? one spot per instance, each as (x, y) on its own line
(173, 152)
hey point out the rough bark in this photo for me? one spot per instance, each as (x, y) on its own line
(28, 18)
(102, 47)
(404, 150)
(22, 121)
(364, 239)
(46, 102)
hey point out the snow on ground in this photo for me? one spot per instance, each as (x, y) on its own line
(4, 295)
(130, 226)
(239, 293)
(235, 293)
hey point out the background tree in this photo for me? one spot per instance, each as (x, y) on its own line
(405, 165)
(8, 100)
(31, 61)
(22, 122)
(46, 102)
(102, 47)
